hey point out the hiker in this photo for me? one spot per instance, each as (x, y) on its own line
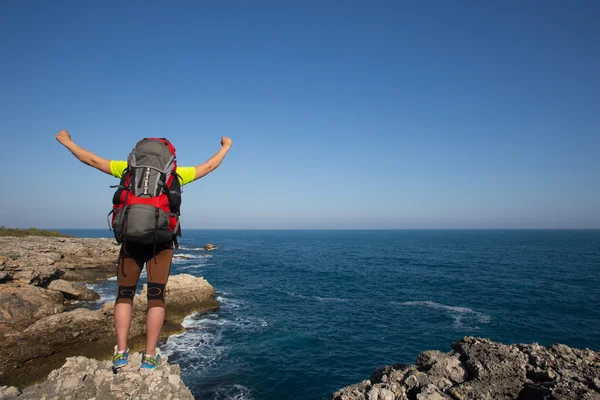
(145, 221)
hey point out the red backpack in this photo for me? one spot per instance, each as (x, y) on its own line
(147, 201)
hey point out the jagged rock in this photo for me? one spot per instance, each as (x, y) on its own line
(91, 333)
(8, 392)
(209, 247)
(561, 372)
(73, 291)
(431, 392)
(39, 260)
(496, 371)
(84, 378)
(5, 276)
(21, 305)
(481, 369)
(356, 391)
(446, 365)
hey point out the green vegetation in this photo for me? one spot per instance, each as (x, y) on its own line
(4, 231)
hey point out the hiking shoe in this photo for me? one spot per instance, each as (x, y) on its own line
(120, 359)
(149, 362)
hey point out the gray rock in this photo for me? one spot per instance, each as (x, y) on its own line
(8, 392)
(5, 276)
(90, 333)
(85, 378)
(39, 260)
(73, 291)
(441, 364)
(481, 369)
(356, 391)
(21, 305)
(497, 371)
(430, 392)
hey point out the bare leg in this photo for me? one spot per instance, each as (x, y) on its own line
(154, 323)
(158, 274)
(123, 312)
(128, 274)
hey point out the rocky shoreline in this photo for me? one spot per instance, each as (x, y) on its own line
(481, 369)
(38, 280)
(85, 378)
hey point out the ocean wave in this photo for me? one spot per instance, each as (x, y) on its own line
(295, 295)
(183, 258)
(459, 314)
(201, 344)
(318, 298)
(243, 323)
(192, 266)
(186, 255)
(227, 302)
(329, 299)
(201, 350)
(232, 392)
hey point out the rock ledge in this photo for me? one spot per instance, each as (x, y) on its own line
(481, 369)
(85, 378)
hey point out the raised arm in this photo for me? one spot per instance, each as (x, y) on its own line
(86, 157)
(214, 161)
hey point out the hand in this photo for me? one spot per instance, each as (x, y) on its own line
(225, 141)
(63, 137)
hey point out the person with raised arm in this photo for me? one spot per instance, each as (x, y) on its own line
(145, 221)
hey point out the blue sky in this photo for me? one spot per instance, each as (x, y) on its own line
(343, 114)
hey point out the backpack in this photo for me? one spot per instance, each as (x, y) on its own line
(147, 201)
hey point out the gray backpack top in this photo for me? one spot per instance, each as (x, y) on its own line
(147, 201)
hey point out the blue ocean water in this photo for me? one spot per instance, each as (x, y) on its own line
(304, 313)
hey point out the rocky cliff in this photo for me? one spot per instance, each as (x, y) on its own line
(37, 335)
(485, 370)
(84, 378)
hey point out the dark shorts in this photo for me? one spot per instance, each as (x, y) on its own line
(158, 266)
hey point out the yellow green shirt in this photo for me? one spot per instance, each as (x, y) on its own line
(186, 174)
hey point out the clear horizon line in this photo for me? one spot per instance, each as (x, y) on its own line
(359, 229)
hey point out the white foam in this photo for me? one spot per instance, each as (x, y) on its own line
(329, 299)
(185, 255)
(183, 258)
(457, 313)
(233, 392)
(295, 295)
(319, 298)
(193, 266)
(201, 345)
(227, 302)
(201, 349)
(112, 278)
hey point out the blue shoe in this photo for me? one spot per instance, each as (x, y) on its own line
(120, 359)
(149, 362)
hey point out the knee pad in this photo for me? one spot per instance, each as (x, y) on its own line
(156, 294)
(125, 294)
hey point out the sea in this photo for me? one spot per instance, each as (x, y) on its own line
(306, 312)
